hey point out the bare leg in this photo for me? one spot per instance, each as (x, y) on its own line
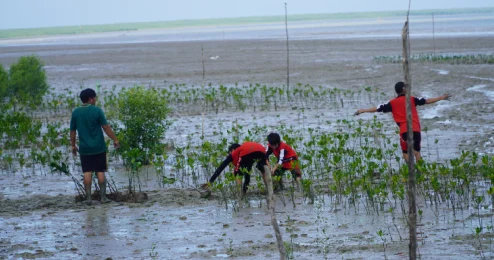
(298, 183)
(405, 156)
(417, 156)
(87, 186)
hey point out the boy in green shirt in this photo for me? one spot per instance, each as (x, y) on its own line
(88, 120)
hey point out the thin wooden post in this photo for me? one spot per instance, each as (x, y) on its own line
(287, 52)
(203, 93)
(272, 212)
(433, 35)
(412, 208)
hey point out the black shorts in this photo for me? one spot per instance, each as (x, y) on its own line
(248, 160)
(94, 162)
(417, 138)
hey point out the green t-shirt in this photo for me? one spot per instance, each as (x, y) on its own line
(87, 120)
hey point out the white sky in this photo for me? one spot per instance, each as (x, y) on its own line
(47, 13)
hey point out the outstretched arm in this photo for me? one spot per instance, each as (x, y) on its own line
(368, 110)
(445, 96)
(223, 165)
(384, 108)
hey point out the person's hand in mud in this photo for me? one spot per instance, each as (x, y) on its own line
(205, 186)
(446, 96)
(273, 170)
(74, 150)
(358, 112)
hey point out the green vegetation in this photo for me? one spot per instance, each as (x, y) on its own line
(440, 58)
(123, 27)
(142, 113)
(27, 81)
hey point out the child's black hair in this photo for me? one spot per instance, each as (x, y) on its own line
(274, 138)
(233, 147)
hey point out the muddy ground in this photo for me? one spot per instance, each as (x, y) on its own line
(39, 218)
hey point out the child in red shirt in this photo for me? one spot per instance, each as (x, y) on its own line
(287, 159)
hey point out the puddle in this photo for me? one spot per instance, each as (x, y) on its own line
(441, 72)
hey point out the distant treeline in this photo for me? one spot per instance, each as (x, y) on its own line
(85, 29)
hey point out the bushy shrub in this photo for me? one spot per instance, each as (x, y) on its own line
(142, 114)
(27, 81)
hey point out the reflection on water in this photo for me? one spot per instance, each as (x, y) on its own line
(97, 222)
(95, 231)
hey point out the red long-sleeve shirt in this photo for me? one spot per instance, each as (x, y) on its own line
(398, 108)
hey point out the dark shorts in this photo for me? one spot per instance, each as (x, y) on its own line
(94, 162)
(417, 138)
(248, 160)
(246, 163)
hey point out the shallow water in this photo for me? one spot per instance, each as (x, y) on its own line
(420, 26)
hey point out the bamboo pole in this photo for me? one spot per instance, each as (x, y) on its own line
(203, 93)
(433, 35)
(272, 212)
(412, 208)
(287, 52)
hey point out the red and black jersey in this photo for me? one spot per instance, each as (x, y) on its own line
(236, 155)
(398, 107)
(284, 153)
(243, 150)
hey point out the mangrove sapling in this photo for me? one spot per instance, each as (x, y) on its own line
(307, 190)
(279, 185)
(62, 167)
(391, 209)
(291, 190)
(478, 231)
(132, 161)
(490, 230)
(153, 254)
(381, 234)
(230, 191)
(261, 189)
(289, 246)
(230, 247)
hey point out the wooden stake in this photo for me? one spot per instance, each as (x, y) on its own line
(412, 207)
(287, 52)
(433, 35)
(203, 78)
(272, 212)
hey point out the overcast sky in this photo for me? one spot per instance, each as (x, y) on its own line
(47, 13)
